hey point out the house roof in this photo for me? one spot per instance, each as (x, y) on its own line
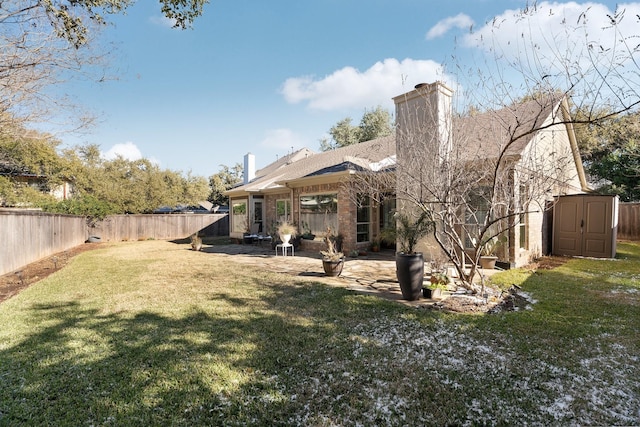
(340, 160)
(285, 160)
(478, 136)
(9, 167)
(483, 135)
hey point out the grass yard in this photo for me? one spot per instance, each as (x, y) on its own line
(150, 333)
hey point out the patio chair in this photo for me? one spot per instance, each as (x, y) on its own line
(257, 235)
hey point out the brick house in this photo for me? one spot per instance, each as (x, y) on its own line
(311, 189)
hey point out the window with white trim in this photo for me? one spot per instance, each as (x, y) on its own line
(319, 211)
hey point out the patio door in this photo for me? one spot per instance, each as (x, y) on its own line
(258, 214)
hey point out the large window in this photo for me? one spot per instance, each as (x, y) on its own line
(363, 220)
(283, 210)
(476, 214)
(239, 216)
(319, 212)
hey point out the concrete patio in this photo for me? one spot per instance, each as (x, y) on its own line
(373, 273)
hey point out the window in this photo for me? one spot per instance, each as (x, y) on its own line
(476, 214)
(239, 216)
(387, 220)
(523, 217)
(363, 218)
(283, 210)
(319, 212)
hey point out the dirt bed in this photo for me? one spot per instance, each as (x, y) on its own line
(12, 283)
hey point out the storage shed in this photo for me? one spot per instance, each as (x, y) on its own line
(585, 225)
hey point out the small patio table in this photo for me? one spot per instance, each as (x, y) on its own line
(284, 247)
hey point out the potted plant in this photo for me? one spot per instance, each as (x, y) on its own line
(409, 263)
(196, 242)
(437, 283)
(306, 232)
(286, 231)
(375, 245)
(332, 258)
(488, 256)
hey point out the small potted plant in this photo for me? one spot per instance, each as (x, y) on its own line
(437, 283)
(196, 242)
(332, 258)
(488, 251)
(306, 232)
(286, 231)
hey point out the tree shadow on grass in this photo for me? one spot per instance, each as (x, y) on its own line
(286, 354)
(80, 366)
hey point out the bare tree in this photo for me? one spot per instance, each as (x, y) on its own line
(480, 175)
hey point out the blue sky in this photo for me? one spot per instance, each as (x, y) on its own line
(269, 77)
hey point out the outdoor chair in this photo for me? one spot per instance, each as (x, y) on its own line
(257, 236)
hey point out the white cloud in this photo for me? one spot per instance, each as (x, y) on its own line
(442, 27)
(585, 48)
(556, 33)
(350, 88)
(282, 139)
(127, 150)
(163, 21)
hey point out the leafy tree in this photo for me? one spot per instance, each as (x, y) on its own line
(374, 124)
(222, 181)
(99, 186)
(87, 205)
(611, 153)
(71, 19)
(29, 153)
(45, 42)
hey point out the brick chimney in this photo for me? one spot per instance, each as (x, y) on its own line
(424, 117)
(423, 137)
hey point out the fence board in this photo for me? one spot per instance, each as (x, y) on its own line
(27, 236)
(160, 227)
(629, 221)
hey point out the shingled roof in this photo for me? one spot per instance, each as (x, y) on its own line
(351, 157)
(480, 136)
(485, 135)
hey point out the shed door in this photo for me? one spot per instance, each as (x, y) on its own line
(567, 230)
(584, 226)
(597, 240)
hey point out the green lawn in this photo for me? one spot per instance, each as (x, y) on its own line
(150, 333)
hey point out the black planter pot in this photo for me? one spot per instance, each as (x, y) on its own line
(333, 268)
(410, 273)
(431, 293)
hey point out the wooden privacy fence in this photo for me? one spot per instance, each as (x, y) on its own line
(160, 227)
(629, 221)
(27, 236)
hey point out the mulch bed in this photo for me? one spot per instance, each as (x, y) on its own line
(12, 283)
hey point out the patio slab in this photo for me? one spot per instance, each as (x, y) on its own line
(371, 274)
